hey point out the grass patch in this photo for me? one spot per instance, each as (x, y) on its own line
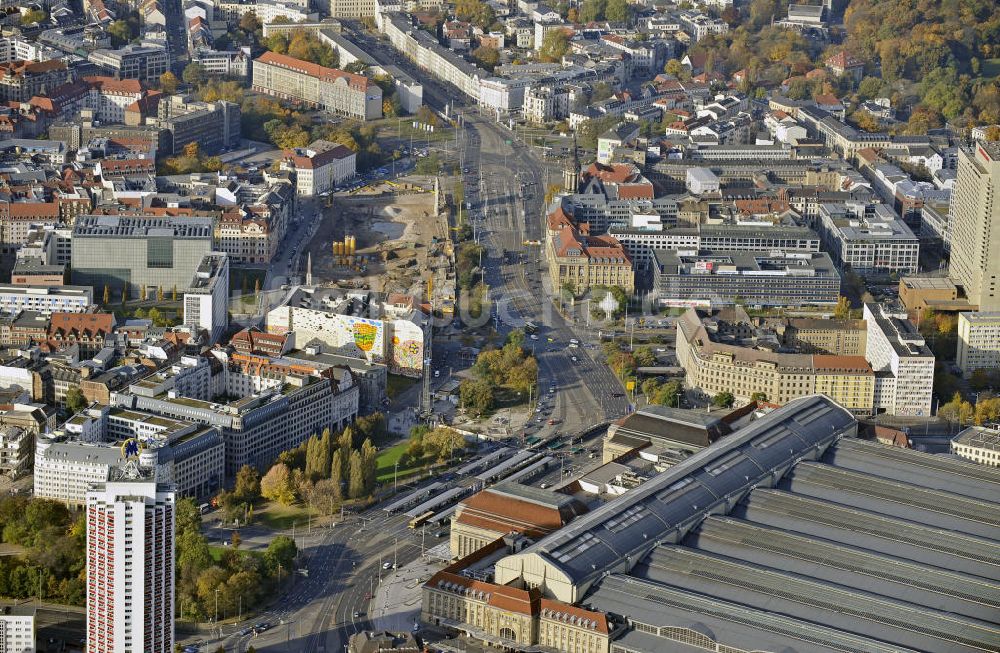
(387, 459)
(396, 385)
(991, 67)
(277, 517)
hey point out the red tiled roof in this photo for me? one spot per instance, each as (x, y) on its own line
(843, 61)
(104, 84)
(557, 608)
(635, 191)
(359, 82)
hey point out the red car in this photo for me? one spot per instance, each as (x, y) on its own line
(554, 421)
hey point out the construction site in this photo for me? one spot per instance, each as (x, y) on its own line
(389, 239)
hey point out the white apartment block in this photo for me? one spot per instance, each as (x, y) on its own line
(979, 444)
(16, 48)
(227, 63)
(16, 448)
(545, 103)
(64, 471)
(978, 342)
(266, 10)
(130, 563)
(904, 366)
(206, 299)
(46, 299)
(17, 629)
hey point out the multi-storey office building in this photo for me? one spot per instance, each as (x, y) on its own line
(903, 363)
(715, 367)
(328, 89)
(763, 278)
(130, 563)
(134, 251)
(975, 214)
(70, 460)
(639, 243)
(206, 298)
(46, 299)
(214, 126)
(145, 63)
(868, 239)
(281, 404)
(978, 342)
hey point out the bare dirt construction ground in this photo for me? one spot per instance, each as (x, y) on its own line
(399, 237)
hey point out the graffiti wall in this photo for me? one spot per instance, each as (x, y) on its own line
(367, 335)
(407, 356)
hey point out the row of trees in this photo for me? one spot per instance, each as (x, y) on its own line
(326, 470)
(237, 581)
(986, 410)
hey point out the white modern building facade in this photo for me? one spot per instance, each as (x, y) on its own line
(206, 300)
(978, 342)
(46, 299)
(130, 563)
(904, 366)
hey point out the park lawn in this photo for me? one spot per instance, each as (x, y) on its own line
(388, 457)
(278, 517)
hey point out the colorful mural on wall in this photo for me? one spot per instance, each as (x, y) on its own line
(407, 355)
(367, 336)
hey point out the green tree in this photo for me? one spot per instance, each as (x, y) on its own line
(247, 485)
(957, 410)
(75, 401)
(477, 395)
(723, 400)
(107, 295)
(617, 11)
(843, 308)
(356, 477)
(669, 394)
(555, 44)
(486, 57)
(337, 473)
(34, 16)
(369, 458)
(280, 552)
(194, 74)
(644, 356)
(592, 10)
(758, 397)
(120, 32)
(249, 22)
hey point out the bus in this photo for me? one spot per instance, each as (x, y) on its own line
(420, 520)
